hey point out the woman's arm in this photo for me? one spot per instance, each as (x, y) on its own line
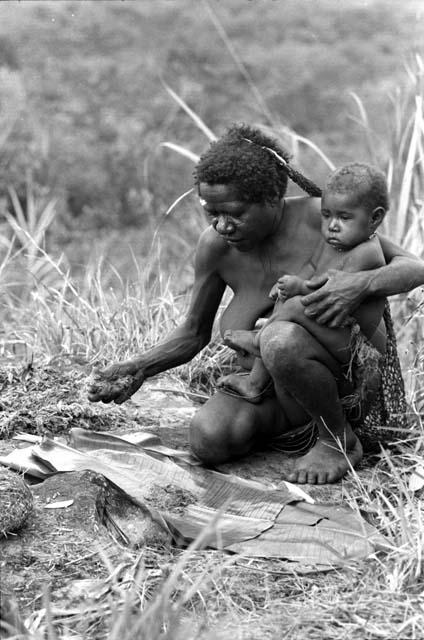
(338, 293)
(403, 271)
(180, 346)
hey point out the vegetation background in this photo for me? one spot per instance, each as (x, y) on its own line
(85, 111)
(93, 266)
(82, 83)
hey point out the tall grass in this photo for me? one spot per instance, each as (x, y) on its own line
(12, 99)
(401, 156)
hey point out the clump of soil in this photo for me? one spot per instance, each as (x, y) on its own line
(170, 498)
(16, 502)
(110, 388)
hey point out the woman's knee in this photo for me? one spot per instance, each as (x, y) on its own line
(203, 439)
(216, 438)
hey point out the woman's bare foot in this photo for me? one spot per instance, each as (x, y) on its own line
(241, 385)
(243, 341)
(326, 462)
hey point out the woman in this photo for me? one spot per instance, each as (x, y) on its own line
(256, 235)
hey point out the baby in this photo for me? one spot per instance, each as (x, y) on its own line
(354, 203)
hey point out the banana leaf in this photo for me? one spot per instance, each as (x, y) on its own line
(238, 515)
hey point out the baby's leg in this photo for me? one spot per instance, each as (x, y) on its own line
(244, 341)
(251, 386)
(336, 341)
(248, 342)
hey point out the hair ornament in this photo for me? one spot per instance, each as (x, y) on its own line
(295, 175)
(274, 153)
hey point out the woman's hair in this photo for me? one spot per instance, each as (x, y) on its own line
(253, 161)
(366, 184)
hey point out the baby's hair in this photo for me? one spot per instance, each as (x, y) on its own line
(367, 184)
(253, 161)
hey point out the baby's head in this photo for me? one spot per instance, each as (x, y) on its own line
(354, 203)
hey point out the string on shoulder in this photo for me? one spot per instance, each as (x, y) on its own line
(296, 176)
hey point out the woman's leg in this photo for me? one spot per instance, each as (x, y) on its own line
(227, 427)
(304, 375)
(303, 369)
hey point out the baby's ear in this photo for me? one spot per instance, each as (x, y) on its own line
(377, 217)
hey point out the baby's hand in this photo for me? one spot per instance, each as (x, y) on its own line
(289, 286)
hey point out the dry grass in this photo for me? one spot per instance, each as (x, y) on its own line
(204, 594)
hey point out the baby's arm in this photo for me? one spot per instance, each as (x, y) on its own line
(289, 286)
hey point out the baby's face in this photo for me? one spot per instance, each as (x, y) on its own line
(344, 223)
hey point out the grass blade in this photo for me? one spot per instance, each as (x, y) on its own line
(181, 150)
(196, 119)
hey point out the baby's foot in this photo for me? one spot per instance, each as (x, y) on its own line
(242, 341)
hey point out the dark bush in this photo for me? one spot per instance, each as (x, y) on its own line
(8, 54)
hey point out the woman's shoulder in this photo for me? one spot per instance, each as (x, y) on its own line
(211, 240)
(210, 247)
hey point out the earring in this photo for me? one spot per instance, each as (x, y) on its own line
(372, 235)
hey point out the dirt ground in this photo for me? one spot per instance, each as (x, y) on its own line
(71, 552)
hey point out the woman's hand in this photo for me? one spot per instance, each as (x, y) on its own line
(337, 295)
(116, 383)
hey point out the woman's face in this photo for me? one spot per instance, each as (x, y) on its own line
(241, 223)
